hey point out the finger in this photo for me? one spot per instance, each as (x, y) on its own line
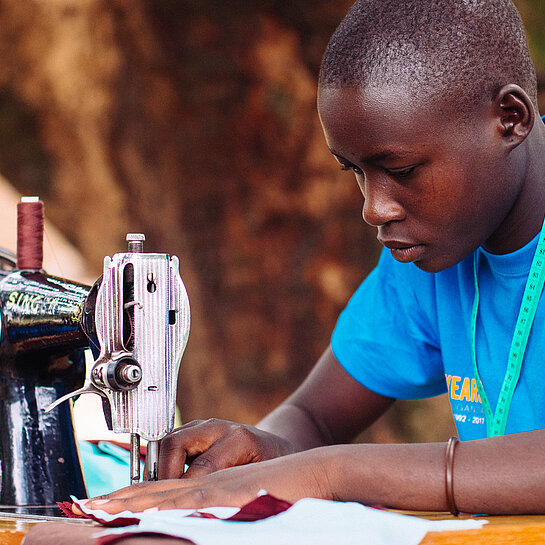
(172, 463)
(229, 451)
(189, 497)
(172, 458)
(75, 508)
(128, 493)
(188, 441)
(135, 504)
(191, 424)
(141, 496)
(138, 489)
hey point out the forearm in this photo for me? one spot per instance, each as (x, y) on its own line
(407, 476)
(297, 426)
(494, 476)
(329, 407)
(503, 475)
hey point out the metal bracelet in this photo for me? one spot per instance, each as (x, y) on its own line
(449, 475)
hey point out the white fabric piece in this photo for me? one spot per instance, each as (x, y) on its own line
(308, 522)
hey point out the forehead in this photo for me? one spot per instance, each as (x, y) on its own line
(372, 120)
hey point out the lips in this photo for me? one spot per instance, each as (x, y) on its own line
(405, 252)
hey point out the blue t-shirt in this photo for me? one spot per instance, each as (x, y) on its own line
(406, 334)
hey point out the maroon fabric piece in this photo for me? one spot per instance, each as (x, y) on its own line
(118, 522)
(199, 515)
(108, 540)
(66, 508)
(261, 508)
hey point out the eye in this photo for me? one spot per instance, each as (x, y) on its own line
(402, 172)
(353, 168)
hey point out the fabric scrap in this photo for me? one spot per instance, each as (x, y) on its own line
(309, 521)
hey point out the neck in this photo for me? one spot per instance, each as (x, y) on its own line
(525, 218)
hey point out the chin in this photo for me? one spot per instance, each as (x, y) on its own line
(434, 266)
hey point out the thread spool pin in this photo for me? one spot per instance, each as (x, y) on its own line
(135, 242)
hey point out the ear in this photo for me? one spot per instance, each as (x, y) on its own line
(515, 112)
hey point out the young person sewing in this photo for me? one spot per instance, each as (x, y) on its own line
(432, 104)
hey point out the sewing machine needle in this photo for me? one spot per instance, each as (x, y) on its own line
(152, 459)
(135, 458)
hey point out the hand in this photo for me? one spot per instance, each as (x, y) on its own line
(290, 478)
(211, 445)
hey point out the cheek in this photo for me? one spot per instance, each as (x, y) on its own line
(438, 197)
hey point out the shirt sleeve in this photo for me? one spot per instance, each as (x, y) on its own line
(386, 339)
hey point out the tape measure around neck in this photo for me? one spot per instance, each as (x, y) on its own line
(497, 420)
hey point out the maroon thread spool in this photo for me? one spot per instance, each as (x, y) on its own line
(30, 233)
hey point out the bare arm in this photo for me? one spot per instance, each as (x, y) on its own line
(330, 407)
(497, 475)
(500, 475)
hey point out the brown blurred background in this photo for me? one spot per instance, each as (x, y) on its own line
(194, 122)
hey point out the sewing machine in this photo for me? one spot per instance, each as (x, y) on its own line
(135, 319)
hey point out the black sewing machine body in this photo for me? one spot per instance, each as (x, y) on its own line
(41, 359)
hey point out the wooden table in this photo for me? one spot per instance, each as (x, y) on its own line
(13, 531)
(505, 530)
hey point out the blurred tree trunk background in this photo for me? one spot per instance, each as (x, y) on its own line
(194, 122)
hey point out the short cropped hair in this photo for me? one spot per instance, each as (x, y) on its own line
(439, 47)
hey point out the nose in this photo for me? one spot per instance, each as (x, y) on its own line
(380, 206)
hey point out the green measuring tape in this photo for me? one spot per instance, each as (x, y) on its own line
(496, 422)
